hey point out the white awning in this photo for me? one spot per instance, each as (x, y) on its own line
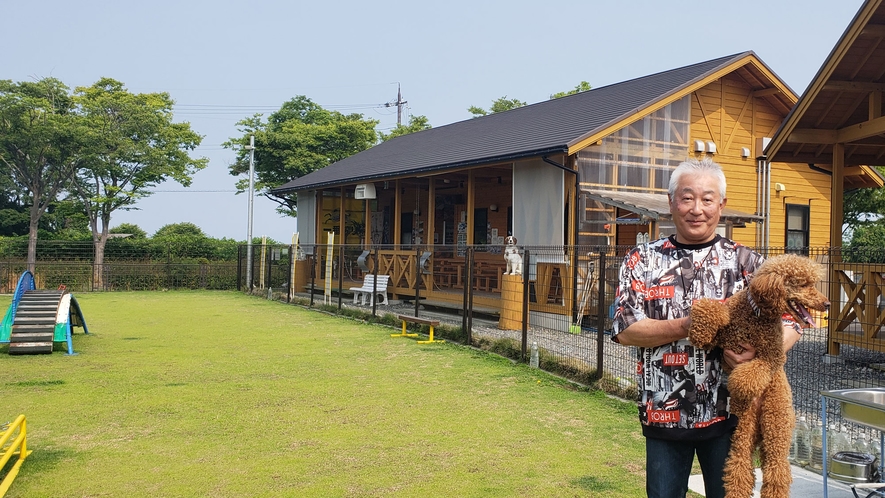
(655, 207)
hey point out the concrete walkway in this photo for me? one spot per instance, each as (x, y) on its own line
(806, 484)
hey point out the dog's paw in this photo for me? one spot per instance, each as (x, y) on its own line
(707, 318)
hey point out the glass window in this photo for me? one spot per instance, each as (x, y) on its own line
(639, 158)
(797, 229)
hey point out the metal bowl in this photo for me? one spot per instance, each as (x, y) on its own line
(851, 466)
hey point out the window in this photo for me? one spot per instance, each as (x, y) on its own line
(797, 229)
(480, 226)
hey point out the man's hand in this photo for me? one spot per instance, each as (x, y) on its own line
(733, 358)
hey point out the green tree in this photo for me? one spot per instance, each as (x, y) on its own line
(867, 244)
(132, 145)
(581, 87)
(862, 207)
(299, 138)
(499, 105)
(416, 123)
(39, 146)
(185, 229)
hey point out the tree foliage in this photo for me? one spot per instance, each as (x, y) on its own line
(583, 86)
(416, 123)
(862, 207)
(498, 105)
(299, 138)
(185, 229)
(130, 145)
(40, 140)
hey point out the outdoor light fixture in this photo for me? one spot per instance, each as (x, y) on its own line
(493, 207)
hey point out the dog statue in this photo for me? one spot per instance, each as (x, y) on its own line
(512, 257)
(760, 393)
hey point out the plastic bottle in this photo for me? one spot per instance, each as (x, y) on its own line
(837, 440)
(803, 442)
(860, 444)
(533, 359)
(817, 461)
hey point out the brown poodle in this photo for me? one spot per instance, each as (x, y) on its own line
(783, 284)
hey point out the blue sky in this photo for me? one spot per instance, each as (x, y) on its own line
(222, 61)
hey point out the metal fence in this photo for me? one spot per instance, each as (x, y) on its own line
(563, 308)
(127, 266)
(566, 310)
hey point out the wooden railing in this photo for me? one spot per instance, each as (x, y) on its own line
(860, 318)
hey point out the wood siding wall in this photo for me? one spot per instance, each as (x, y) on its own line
(727, 113)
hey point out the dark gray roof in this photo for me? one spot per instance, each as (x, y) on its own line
(547, 127)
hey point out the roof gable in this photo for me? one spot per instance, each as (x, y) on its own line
(836, 105)
(561, 125)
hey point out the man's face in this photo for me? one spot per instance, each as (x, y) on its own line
(696, 207)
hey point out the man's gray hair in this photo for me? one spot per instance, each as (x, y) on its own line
(704, 166)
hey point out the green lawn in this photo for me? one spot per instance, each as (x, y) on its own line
(222, 394)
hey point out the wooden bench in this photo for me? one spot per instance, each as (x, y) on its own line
(423, 321)
(366, 291)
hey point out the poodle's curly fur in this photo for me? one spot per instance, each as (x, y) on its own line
(783, 284)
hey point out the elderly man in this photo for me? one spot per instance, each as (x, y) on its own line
(658, 283)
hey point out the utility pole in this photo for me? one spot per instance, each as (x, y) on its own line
(251, 149)
(399, 105)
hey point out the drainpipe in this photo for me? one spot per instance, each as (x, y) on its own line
(574, 229)
(763, 201)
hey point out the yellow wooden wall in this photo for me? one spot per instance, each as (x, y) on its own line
(726, 112)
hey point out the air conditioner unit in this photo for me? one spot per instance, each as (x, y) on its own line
(364, 191)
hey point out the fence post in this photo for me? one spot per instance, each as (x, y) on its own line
(313, 274)
(375, 284)
(417, 278)
(469, 285)
(340, 273)
(290, 278)
(600, 315)
(239, 267)
(464, 275)
(525, 305)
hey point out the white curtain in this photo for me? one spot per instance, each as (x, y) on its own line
(538, 203)
(306, 220)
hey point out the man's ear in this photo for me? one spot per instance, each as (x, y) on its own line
(724, 200)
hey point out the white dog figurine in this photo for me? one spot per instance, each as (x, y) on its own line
(512, 257)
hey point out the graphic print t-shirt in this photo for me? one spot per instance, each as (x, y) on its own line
(681, 393)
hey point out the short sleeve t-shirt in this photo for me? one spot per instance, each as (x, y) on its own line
(680, 387)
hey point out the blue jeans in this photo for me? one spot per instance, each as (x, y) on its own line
(668, 465)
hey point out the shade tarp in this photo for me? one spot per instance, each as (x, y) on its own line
(656, 207)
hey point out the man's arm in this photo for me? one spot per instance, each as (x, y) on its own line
(649, 332)
(733, 359)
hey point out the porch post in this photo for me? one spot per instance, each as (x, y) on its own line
(397, 216)
(836, 214)
(367, 226)
(471, 192)
(429, 226)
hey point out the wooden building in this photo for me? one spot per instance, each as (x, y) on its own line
(587, 169)
(837, 127)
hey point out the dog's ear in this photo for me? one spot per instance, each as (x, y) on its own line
(768, 289)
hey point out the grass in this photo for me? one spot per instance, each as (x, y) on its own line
(222, 394)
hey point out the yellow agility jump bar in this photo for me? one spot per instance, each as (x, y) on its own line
(18, 446)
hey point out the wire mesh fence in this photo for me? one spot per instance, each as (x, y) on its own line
(560, 299)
